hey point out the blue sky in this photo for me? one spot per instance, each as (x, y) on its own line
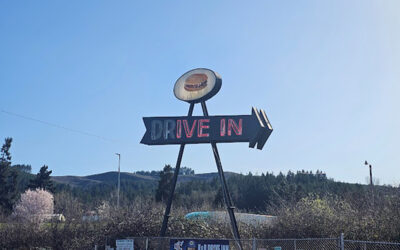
(326, 72)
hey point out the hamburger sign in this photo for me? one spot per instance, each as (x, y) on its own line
(197, 85)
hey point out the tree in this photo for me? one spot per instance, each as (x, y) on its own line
(185, 171)
(35, 205)
(22, 168)
(8, 179)
(68, 205)
(42, 180)
(24, 176)
(164, 184)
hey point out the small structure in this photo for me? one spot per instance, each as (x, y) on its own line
(50, 217)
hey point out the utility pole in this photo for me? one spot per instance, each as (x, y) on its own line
(119, 177)
(370, 173)
(371, 182)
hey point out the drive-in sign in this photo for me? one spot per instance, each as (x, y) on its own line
(197, 86)
(254, 128)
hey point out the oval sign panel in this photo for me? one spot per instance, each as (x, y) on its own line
(197, 85)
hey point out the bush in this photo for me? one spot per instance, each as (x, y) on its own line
(34, 206)
(314, 217)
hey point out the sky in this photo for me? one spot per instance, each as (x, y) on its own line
(76, 78)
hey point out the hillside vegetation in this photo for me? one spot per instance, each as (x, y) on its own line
(306, 204)
(253, 193)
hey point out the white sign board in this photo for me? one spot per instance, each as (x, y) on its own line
(124, 244)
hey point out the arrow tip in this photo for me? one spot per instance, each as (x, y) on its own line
(264, 131)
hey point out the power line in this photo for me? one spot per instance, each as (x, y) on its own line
(57, 126)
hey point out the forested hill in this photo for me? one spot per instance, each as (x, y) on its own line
(111, 178)
(249, 192)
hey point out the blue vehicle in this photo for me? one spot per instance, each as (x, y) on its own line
(221, 216)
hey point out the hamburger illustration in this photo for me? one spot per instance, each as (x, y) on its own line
(196, 82)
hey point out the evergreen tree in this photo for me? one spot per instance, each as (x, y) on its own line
(8, 179)
(22, 168)
(42, 180)
(164, 184)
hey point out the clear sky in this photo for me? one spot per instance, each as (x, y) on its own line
(326, 72)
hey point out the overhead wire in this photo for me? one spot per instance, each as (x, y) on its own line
(57, 126)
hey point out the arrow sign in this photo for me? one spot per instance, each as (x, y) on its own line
(254, 128)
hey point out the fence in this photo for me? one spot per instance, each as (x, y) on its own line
(368, 245)
(163, 243)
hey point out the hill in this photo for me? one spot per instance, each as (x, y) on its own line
(111, 178)
(249, 192)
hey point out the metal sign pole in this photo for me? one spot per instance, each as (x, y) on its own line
(175, 178)
(225, 191)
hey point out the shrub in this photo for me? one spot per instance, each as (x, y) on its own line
(34, 206)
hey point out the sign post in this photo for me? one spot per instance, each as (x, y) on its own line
(197, 86)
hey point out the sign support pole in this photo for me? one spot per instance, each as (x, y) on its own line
(175, 178)
(225, 191)
(224, 186)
